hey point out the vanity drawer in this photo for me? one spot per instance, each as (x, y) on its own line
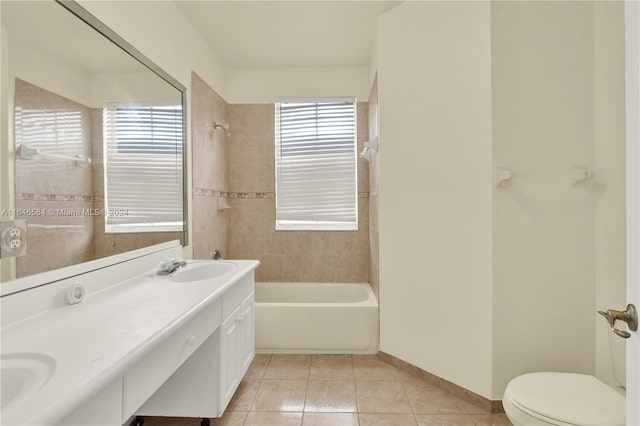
(233, 297)
(149, 373)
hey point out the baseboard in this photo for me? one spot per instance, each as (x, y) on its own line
(462, 393)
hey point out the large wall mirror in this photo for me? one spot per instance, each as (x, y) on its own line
(93, 150)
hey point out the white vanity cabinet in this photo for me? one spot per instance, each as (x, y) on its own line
(205, 383)
(237, 349)
(138, 344)
(150, 372)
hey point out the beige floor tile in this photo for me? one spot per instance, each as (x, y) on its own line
(491, 419)
(381, 396)
(369, 419)
(258, 366)
(330, 419)
(280, 395)
(230, 418)
(444, 420)
(331, 396)
(426, 400)
(273, 419)
(369, 367)
(288, 367)
(474, 409)
(244, 395)
(339, 367)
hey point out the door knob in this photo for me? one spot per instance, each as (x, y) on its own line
(630, 316)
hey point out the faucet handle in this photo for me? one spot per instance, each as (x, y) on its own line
(166, 265)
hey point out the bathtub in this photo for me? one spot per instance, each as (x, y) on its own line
(316, 318)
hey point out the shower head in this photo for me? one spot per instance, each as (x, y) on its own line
(225, 129)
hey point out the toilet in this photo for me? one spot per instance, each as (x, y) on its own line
(547, 398)
(553, 398)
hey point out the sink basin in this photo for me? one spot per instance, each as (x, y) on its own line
(22, 375)
(202, 270)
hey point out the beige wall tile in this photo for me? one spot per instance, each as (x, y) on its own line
(211, 170)
(304, 256)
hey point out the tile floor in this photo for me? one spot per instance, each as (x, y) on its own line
(340, 390)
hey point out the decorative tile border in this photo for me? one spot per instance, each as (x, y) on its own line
(462, 393)
(209, 193)
(203, 192)
(251, 195)
(60, 197)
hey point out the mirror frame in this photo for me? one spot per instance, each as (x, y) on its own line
(74, 8)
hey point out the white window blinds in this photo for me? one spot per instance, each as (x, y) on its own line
(143, 168)
(316, 174)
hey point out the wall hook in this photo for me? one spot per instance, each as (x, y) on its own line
(582, 176)
(502, 176)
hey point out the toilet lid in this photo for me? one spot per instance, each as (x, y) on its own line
(577, 399)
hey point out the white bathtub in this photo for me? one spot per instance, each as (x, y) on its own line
(316, 318)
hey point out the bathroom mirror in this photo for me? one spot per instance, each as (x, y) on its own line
(98, 133)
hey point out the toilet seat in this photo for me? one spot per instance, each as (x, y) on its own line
(564, 399)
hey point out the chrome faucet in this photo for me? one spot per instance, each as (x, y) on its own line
(170, 266)
(215, 255)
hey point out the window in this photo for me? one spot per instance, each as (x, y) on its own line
(316, 165)
(143, 168)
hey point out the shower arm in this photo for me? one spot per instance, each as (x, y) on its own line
(224, 128)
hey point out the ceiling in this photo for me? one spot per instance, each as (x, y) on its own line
(285, 34)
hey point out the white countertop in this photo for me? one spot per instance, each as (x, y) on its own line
(95, 341)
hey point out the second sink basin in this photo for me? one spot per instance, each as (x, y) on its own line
(23, 374)
(202, 270)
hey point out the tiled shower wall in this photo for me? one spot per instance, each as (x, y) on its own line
(54, 189)
(239, 171)
(210, 153)
(308, 256)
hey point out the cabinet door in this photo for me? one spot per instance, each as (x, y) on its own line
(248, 349)
(230, 344)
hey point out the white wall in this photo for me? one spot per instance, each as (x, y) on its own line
(37, 66)
(139, 86)
(529, 263)
(610, 208)
(161, 32)
(434, 76)
(169, 40)
(543, 240)
(265, 85)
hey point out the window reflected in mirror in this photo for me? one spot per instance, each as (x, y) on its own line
(98, 141)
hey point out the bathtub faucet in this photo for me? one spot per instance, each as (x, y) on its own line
(171, 266)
